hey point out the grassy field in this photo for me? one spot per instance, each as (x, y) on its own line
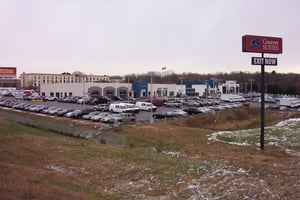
(164, 160)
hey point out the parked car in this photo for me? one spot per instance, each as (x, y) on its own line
(46, 111)
(54, 111)
(91, 114)
(50, 98)
(8, 103)
(192, 103)
(157, 102)
(102, 107)
(99, 100)
(79, 113)
(31, 107)
(123, 108)
(192, 110)
(84, 100)
(98, 117)
(38, 108)
(204, 109)
(161, 115)
(145, 106)
(172, 104)
(18, 106)
(120, 117)
(116, 98)
(63, 112)
(177, 113)
(24, 106)
(218, 107)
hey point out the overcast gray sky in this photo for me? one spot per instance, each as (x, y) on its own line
(119, 37)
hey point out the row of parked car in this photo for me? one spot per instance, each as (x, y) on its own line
(190, 102)
(116, 112)
(195, 110)
(86, 114)
(84, 100)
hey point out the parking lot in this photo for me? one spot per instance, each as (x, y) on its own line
(141, 116)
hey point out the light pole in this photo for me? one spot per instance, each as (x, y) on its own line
(83, 89)
(151, 96)
(251, 81)
(215, 83)
(207, 89)
(128, 90)
(151, 117)
(83, 82)
(181, 78)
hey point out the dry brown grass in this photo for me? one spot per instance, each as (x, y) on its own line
(235, 119)
(167, 160)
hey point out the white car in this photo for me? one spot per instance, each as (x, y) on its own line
(177, 113)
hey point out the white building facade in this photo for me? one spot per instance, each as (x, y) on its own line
(138, 89)
(35, 80)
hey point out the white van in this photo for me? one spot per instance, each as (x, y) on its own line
(145, 106)
(123, 108)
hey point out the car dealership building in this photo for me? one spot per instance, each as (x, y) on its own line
(80, 84)
(138, 89)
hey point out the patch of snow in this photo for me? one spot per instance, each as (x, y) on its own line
(283, 133)
(171, 153)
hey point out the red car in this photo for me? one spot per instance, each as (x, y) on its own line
(156, 102)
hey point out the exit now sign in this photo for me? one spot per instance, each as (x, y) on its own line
(264, 61)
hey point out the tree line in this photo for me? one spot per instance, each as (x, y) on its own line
(275, 83)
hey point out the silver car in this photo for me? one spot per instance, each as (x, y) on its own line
(121, 117)
(98, 117)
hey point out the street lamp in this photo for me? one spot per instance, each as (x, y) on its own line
(162, 71)
(128, 89)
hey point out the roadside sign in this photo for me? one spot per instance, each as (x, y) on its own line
(262, 44)
(264, 61)
(8, 72)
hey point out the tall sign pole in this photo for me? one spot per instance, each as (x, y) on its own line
(262, 104)
(262, 44)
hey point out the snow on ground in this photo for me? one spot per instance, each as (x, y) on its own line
(285, 133)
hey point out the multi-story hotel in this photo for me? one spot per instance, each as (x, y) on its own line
(35, 80)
